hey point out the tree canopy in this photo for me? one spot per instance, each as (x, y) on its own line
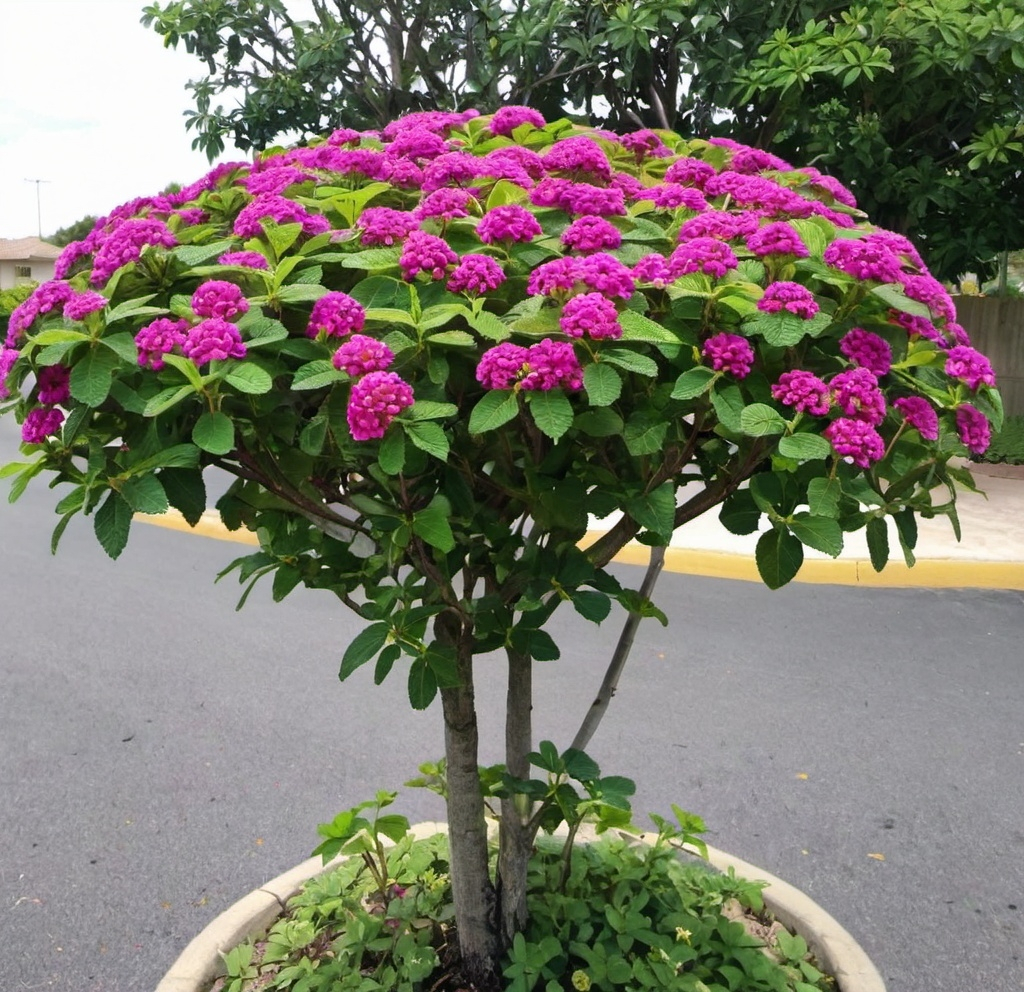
(917, 105)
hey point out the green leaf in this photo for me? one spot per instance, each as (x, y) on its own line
(144, 494)
(112, 522)
(821, 533)
(165, 399)
(552, 412)
(455, 339)
(655, 510)
(316, 375)
(297, 292)
(428, 437)
(693, 382)
(391, 455)
(280, 236)
(630, 361)
(429, 410)
(422, 684)
(373, 259)
(385, 662)
(58, 335)
(602, 383)
(215, 433)
(779, 556)
(823, 497)
(247, 377)
(431, 524)
(191, 255)
(260, 330)
(186, 492)
(313, 436)
(365, 646)
(740, 514)
(497, 407)
(286, 578)
(637, 327)
(187, 368)
(644, 436)
(877, 532)
(123, 345)
(896, 298)
(592, 606)
(729, 404)
(133, 308)
(91, 377)
(760, 420)
(599, 422)
(489, 325)
(538, 644)
(581, 766)
(804, 447)
(390, 315)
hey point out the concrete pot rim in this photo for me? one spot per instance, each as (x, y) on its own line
(835, 949)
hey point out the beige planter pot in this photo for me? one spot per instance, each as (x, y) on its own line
(836, 951)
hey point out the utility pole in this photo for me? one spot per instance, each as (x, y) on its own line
(39, 207)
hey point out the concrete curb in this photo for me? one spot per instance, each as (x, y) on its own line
(835, 949)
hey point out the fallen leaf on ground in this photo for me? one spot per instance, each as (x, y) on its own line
(877, 857)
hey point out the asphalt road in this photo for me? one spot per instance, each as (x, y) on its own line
(161, 754)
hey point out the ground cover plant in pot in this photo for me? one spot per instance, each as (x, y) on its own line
(439, 357)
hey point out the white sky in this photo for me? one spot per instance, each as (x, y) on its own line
(91, 102)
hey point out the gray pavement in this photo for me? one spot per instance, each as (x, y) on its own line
(161, 755)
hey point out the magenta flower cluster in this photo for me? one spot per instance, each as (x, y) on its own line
(361, 354)
(729, 353)
(213, 339)
(335, 315)
(543, 366)
(970, 366)
(867, 349)
(217, 298)
(376, 399)
(427, 253)
(476, 275)
(788, 296)
(508, 223)
(161, 337)
(590, 315)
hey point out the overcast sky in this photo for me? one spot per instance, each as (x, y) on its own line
(91, 102)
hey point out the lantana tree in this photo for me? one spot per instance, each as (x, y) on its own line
(457, 364)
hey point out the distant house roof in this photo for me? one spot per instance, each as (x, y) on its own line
(27, 249)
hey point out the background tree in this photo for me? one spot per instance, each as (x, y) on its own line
(917, 105)
(77, 231)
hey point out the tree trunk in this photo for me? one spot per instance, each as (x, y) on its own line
(472, 890)
(516, 839)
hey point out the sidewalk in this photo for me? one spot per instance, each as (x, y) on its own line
(989, 556)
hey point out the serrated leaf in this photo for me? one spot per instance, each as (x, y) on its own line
(91, 377)
(191, 255)
(112, 523)
(821, 533)
(599, 422)
(489, 325)
(186, 492)
(249, 378)
(365, 646)
(761, 420)
(637, 327)
(215, 433)
(428, 437)
(898, 300)
(693, 382)
(313, 436)
(552, 412)
(580, 766)
(591, 605)
(385, 662)
(391, 455)
(497, 407)
(631, 361)
(644, 436)
(144, 494)
(804, 446)
(778, 556)
(740, 514)
(538, 644)
(123, 345)
(823, 497)
(454, 339)
(165, 399)
(422, 685)
(390, 315)
(602, 383)
(298, 292)
(877, 532)
(286, 578)
(373, 259)
(655, 510)
(316, 375)
(431, 524)
(782, 329)
(429, 410)
(729, 404)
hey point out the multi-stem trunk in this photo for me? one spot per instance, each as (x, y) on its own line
(472, 891)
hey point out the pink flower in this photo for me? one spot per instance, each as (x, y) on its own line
(588, 234)
(730, 353)
(552, 364)
(690, 172)
(855, 440)
(645, 144)
(971, 366)
(507, 119)
(159, 338)
(361, 354)
(857, 394)
(54, 384)
(559, 276)
(974, 429)
(581, 199)
(867, 350)
(41, 423)
(864, 259)
(217, 298)
(335, 315)
(275, 179)
(804, 391)
(384, 226)
(707, 255)
(8, 357)
(213, 339)
(417, 143)
(78, 307)
(269, 206)
(670, 196)
(653, 269)
(501, 366)
(125, 243)
(778, 238)
(606, 274)
(450, 169)
(246, 259)
(592, 315)
(919, 413)
(751, 160)
(424, 252)
(375, 401)
(789, 296)
(719, 224)
(510, 222)
(445, 204)
(577, 156)
(929, 291)
(476, 274)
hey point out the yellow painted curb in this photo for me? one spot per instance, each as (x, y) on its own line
(929, 573)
